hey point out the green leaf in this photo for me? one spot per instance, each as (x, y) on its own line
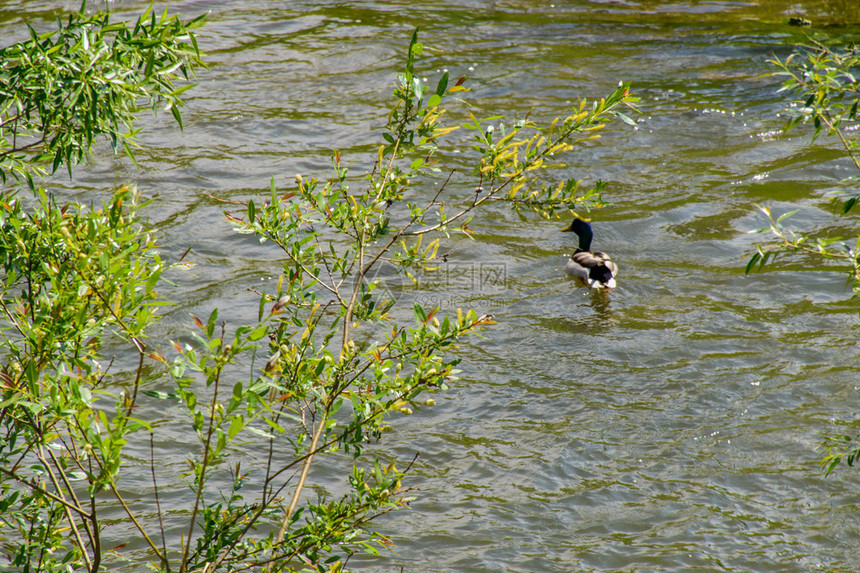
(319, 367)
(236, 426)
(442, 86)
(260, 331)
(136, 424)
(785, 216)
(210, 324)
(259, 432)
(9, 401)
(751, 264)
(420, 314)
(626, 119)
(158, 395)
(150, 64)
(176, 115)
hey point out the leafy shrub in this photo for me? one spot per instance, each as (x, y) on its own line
(318, 381)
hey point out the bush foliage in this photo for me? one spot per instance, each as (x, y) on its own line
(329, 361)
(826, 95)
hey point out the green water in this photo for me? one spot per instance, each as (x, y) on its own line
(672, 427)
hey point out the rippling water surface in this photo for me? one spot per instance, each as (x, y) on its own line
(670, 427)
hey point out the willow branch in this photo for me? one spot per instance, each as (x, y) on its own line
(71, 520)
(44, 492)
(201, 478)
(165, 563)
(300, 485)
(136, 522)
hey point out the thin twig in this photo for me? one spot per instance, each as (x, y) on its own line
(71, 521)
(297, 492)
(165, 563)
(44, 492)
(201, 478)
(136, 523)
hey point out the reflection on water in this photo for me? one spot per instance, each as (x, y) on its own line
(588, 312)
(668, 426)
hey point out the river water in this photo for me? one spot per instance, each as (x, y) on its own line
(672, 426)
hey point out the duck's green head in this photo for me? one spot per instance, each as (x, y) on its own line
(583, 229)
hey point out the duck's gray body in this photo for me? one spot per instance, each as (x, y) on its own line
(595, 269)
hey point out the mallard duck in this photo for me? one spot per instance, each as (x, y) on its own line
(595, 269)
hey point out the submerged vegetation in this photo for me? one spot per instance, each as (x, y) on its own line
(330, 359)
